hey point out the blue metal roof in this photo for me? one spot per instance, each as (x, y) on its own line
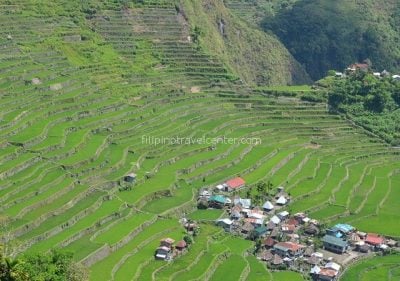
(344, 227)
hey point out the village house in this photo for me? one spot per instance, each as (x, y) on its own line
(236, 212)
(266, 255)
(131, 178)
(391, 243)
(299, 217)
(288, 249)
(292, 221)
(339, 74)
(190, 226)
(181, 245)
(270, 225)
(340, 230)
(314, 272)
(254, 221)
(353, 238)
(281, 200)
(275, 220)
(326, 274)
(267, 206)
(244, 202)
(344, 228)
(276, 261)
(260, 231)
(283, 215)
(220, 187)
(313, 260)
(225, 223)
(167, 242)
(311, 229)
(334, 244)
(358, 66)
(396, 77)
(255, 213)
(275, 233)
(245, 212)
(374, 240)
(247, 227)
(329, 272)
(362, 247)
(288, 228)
(268, 242)
(217, 201)
(163, 252)
(234, 184)
(205, 193)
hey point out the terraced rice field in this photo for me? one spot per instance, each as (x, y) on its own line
(72, 127)
(378, 268)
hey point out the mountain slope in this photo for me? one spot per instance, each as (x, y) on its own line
(326, 34)
(256, 57)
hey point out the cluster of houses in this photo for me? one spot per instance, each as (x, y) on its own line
(168, 249)
(289, 241)
(344, 237)
(365, 67)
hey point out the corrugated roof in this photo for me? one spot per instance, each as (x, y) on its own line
(235, 182)
(344, 227)
(218, 198)
(334, 241)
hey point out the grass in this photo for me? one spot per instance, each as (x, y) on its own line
(231, 269)
(287, 275)
(258, 271)
(211, 214)
(376, 268)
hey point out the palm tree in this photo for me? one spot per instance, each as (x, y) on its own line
(10, 269)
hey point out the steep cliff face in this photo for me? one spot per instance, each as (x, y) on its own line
(255, 56)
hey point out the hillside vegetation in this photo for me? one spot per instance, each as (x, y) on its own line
(254, 56)
(371, 102)
(325, 34)
(254, 11)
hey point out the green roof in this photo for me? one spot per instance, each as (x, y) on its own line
(261, 230)
(218, 198)
(334, 241)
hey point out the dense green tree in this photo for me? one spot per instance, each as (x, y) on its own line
(326, 34)
(53, 266)
(372, 102)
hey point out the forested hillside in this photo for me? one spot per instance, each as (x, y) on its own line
(325, 34)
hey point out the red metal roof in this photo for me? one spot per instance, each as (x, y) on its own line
(235, 182)
(328, 272)
(181, 244)
(269, 242)
(290, 245)
(374, 239)
(292, 221)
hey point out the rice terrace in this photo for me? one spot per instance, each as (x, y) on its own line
(177, 140)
